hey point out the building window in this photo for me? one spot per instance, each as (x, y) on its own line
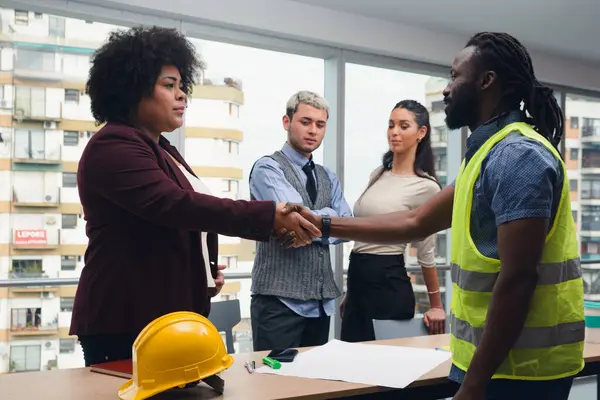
(37, 15)
(30, 145)
(66, 346)
(574, 154)
(590, 158)
(69, 221)
(26, 319)
(230, 186)
(69, 180)
(72, 96)
(574, 215)
(234, 110)
(26, 269)
(35, 60)
(440, 245)
(573, 185)
(574, 122)
(66, 304)
(230, 261)
(590, 127)
(68, 263)
(440, 159)
(71, 138)
(21, 17)
(233, 147)
(437, 106)
(439, 134)
(56, 26)
(25, 358)
(30, 102)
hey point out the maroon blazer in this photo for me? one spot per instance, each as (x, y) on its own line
(143, 221)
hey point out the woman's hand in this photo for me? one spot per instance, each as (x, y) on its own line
(219, 281)
(435, 320)
(292, 229)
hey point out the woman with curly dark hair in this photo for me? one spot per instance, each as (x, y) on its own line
(152, 225)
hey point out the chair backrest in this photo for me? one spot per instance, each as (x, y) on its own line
(225, 315)
(393, 329)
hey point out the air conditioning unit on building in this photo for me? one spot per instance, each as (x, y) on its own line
(4, 103)
(49, 125)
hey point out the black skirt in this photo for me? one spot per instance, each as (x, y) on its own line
(378, 288)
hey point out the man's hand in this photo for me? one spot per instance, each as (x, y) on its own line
(291, 229)
(289, 238)
(219, 282)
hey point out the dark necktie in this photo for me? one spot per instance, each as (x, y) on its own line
(311, 187)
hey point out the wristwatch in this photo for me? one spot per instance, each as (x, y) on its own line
(326, 227)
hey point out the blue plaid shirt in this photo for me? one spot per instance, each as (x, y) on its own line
(519, 179)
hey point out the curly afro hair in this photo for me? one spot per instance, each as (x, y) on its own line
(126, 68)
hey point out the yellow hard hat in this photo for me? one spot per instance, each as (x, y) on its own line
(172, 351)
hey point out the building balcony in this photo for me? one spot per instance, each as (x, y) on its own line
(38, 156)
(37, 75)
(29, 329)
(49, 199)
(23, 115)
(590, 133)
(12, 274)
(35, 239)
(220, 88)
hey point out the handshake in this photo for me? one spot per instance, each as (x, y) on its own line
(295, 225)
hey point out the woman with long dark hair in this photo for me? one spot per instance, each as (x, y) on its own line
(378, 285)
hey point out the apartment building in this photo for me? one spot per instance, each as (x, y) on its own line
(45, 123)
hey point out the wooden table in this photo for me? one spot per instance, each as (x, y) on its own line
(78, 384)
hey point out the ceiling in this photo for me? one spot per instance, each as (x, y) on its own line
(568, 28)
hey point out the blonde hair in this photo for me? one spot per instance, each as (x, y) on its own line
(308, 98)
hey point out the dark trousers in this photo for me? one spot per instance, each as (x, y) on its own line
(505, 389)
(99, 349)
(276, 326)
(378, 288)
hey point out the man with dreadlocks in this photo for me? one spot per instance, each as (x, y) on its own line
(517, 323)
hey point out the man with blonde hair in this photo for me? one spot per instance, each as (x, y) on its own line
(293, 290)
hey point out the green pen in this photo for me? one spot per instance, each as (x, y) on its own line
(271, 363)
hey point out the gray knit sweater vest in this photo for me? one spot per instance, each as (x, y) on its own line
(304, 273)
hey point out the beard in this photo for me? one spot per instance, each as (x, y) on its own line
(463, 107)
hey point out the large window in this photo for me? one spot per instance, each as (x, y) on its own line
(256, 85)
(25, 358)
(582, 144)
(371, 94)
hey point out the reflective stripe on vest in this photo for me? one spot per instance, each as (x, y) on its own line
(530, 338)
(548, 274)
(550, 345)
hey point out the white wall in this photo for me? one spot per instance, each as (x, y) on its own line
(4, 314)
(79, 111)
(6, 59)
(581, 108)
(288, 19)
(212, 114)
(34, 186)
(210, 152)
(4, 267)
(7, 135)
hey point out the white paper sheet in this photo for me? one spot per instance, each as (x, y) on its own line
(371, 364)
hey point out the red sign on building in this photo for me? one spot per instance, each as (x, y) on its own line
(30, 237)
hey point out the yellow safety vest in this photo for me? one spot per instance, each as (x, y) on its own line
(551, 343)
